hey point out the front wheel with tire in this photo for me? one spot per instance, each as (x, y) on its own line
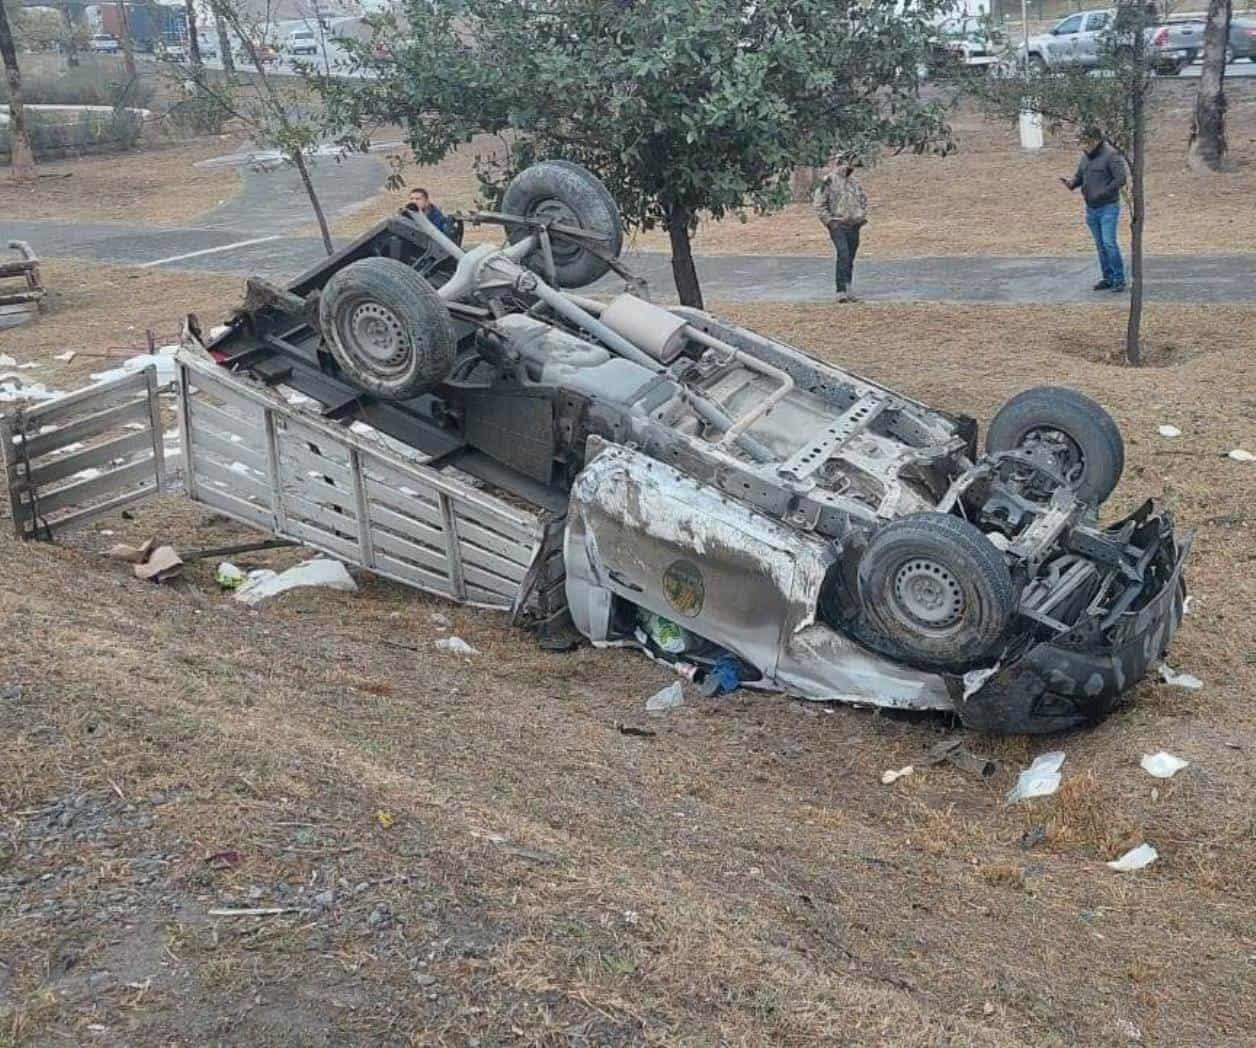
(387, 328)
(566, 194)
(1082, 440)
(936, 590)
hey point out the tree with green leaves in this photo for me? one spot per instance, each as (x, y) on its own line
(1114, 98)
(684, 108)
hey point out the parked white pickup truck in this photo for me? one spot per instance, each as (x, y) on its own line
(1078, 40)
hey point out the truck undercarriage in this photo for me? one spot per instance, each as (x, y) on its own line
(823, 534)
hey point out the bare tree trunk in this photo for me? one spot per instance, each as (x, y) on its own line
(194, 37)
(684, 273)
(71, 35)
(23, 158)
(224, 41)
(128, 45)
(1208, 146)
(303, 171)
(1138, 145)
(295, 156)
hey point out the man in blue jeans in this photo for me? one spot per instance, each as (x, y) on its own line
(1100, 174)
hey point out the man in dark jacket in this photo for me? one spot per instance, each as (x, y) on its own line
(1100, 175)
(421, 201)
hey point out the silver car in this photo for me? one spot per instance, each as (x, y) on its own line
(1080, 40)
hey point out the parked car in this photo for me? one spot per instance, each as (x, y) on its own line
(175, 53)
(1079, 40)
(1242, 40)
(103, 44)
(967, 44)
(302, 42)
(266, 52)
(718, 497)
(1188, 34)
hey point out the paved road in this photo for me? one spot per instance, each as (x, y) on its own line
(253, 233)
(252, 250)
(274, 201)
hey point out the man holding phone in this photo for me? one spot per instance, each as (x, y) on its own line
(1100, 174)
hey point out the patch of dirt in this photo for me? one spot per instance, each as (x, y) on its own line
(157, 185)
(103, 313)
(740, 877)
(990, 198)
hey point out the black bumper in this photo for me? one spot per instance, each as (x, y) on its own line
(1076, 678)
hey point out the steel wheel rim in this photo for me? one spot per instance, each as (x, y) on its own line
(927, 595)
(377, 335)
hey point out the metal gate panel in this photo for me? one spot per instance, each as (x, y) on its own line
(260, 460)
(72, 459)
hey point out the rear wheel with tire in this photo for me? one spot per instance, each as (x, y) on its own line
(936, 589)
(1082, 440)
(1037, 64)
(387, 328)
(566, 194)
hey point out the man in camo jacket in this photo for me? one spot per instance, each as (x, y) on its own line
(842, 206)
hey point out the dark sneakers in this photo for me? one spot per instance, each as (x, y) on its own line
(1103, 285)
(1116, 289)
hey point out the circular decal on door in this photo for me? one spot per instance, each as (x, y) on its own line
(684, 588)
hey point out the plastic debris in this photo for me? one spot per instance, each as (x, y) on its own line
(163, 360)
(7, 361)
(14, 388)
(892, 776)
(724, 677)
(668, 698)
(457, 645)
(1240, 455)
(1162, 765)
(320, 571)
(1169, 431)
(1040, 779)
(65, 357)
(228, 576)
(1179, 680)
(1135, 859)
(668, 636)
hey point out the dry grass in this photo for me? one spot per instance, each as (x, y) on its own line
(740, 878)
(156, 185)
(102, 313)
(990, 198)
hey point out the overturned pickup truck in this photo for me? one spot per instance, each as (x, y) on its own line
(833, 538)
